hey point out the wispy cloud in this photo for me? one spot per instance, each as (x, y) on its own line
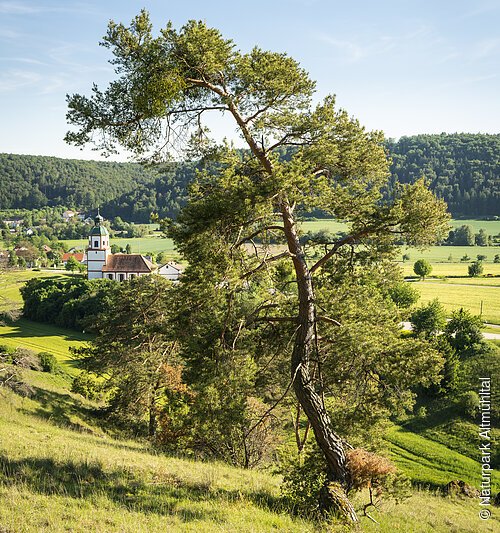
(480, 9)
(7, 34)
(13, 80)
(362, 47)
(485, 48)
(16, 7)
(27, 60)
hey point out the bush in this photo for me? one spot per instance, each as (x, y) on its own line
(303, 478)
(49, 362)
(469, 402)
(476, 269)
(87, 385)
(12, 379)
(404, 295)
(5, 350)
(463, 331)
(24, 358)
(429, 319)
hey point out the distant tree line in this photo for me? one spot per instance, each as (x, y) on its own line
(463, 169)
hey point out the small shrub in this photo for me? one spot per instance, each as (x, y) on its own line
(421, 412)
(12, 379)
(87, 385)
(476, 269)
(5, 350)
(378, 475)
(404, 295)
(24, 358)
(49, 362)
(469, 401)
(303, 478)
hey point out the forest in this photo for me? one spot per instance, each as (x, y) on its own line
(463, 169)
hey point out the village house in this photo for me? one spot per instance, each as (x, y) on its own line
(69, 214)
(170, 271)
(79, 256)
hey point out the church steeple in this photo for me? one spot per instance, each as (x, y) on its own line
(98, 249)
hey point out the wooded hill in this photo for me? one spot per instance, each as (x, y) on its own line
(464, 169)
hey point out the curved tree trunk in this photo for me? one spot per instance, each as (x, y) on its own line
(333, 496)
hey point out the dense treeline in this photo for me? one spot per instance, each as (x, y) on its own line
(461, 168)
(33, 182)
(64, 302)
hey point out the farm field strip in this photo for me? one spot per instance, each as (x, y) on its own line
(467, 296)
(430, 462)
(43, 338)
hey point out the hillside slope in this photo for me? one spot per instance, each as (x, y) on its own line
(60, 471)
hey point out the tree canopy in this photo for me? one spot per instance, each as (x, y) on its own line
(250, 278)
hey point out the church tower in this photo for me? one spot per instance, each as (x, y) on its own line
(98, 250)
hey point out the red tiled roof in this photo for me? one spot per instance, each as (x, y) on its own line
(78, 256)
(127, 263)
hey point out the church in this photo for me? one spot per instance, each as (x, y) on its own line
(101, 263)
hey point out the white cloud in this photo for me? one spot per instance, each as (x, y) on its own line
(13, 80)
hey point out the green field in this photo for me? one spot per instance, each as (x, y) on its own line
(492, 227)
(43, 338)
(139, 245)
(441, 254)
(12, 280)
(453, 296)
(428, 462)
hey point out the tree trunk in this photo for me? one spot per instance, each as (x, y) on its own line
(333, 496)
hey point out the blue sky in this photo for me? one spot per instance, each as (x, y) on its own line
(402, 66)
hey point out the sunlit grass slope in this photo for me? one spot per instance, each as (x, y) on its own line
(43, 338)
(60, 471)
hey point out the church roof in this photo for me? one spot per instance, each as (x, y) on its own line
(127, 263)
(99, 230)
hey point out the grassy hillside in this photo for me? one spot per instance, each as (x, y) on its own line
(428, 462)
(60, 471)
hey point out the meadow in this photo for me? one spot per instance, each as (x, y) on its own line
(435, 254)
(12, 280)
(61, 470)
(469, 296)
(34, 335)
(44, 338)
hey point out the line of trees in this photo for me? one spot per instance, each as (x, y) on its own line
(463, 169)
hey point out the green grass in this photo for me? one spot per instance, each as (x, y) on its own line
(61, 471)
(12, 280)
(448, 426)
(441, 254)
(43, 338)
(430, 463)
(453, 296)
(492, 227)
(139, 245)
